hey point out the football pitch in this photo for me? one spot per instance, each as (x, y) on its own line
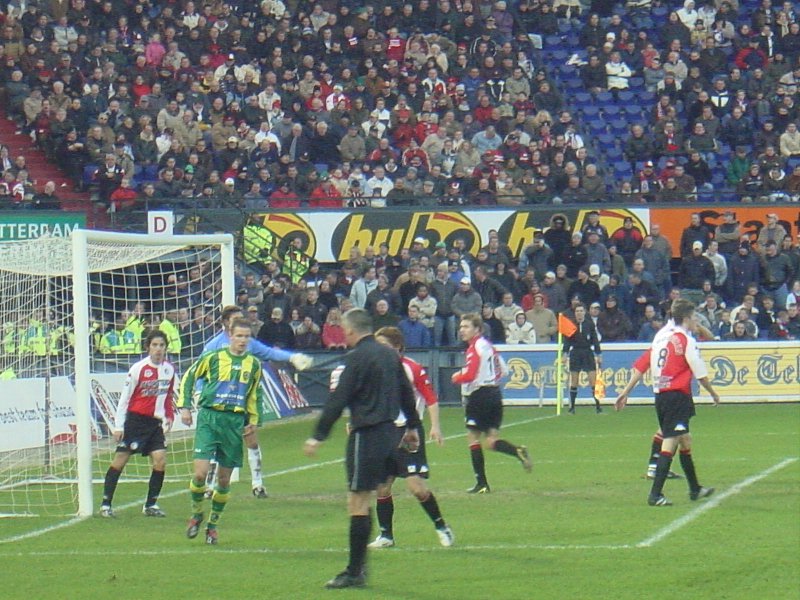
(577, 527)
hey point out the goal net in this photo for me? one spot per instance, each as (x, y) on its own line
(73, 313)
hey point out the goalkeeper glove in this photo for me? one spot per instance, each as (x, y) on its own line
(301, 362)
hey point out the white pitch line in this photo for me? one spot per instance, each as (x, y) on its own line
(712, 503)
(238, 551)
(76, 520)
(42, 531)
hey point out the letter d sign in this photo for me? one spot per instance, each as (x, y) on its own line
(160, 222)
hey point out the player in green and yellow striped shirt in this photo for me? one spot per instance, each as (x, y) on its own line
(229, 404)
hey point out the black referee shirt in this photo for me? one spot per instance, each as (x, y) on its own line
(374, 386)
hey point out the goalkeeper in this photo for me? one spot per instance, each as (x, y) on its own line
(264, 352)
(229, 404)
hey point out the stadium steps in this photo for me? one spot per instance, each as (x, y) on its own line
(41, 170)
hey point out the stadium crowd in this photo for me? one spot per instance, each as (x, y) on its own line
(453, 102)
(743, 290)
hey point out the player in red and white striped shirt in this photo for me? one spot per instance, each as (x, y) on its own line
(412, 466)
(480, 384)
(674, 360)
(145, 410)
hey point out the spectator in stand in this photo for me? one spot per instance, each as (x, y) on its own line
(694, 270)
(790, 141)
(276, 332)
(738, 333)
(777, 274)
(493, 329)
(695, 232)
(586, 290)
(415, 333)
(332, 332)
(772, 231)
(656, 262)
(520, 331)
(628, 239)
(720, 265)
(612, 323)
(308, 335)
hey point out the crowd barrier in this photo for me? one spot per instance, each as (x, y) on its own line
(742, 372)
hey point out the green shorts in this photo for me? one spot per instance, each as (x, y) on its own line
(219, 436)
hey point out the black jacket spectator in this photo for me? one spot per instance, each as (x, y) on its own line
(743, 269)
(279, 334)
(694, 270)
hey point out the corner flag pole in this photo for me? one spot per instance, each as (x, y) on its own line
(559, 368)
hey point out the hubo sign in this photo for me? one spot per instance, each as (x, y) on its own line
(328, 236)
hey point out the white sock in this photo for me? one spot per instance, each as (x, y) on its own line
(254, 460)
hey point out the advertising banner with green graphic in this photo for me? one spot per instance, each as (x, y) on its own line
(29, 225)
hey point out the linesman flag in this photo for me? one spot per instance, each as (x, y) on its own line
(565, 326)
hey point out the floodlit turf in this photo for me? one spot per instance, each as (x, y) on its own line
(578, 527)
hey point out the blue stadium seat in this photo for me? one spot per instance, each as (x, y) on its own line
(590, 113)
(636, 83)
(552, 40)
(88, 174)
(612, 153)
(597, 127)
(607, 139)
(659, 13)
(625, 97)
(573, 40)
(612, 111)
(632, 112)
(622, 169)
(603, 98)
(582, 99)
(619, 127)
(559, 56)
(647, 98)
(572, 85)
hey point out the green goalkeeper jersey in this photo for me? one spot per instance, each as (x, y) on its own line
(224, 382)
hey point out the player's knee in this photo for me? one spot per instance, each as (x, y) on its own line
(251, 441)
(685, 441)
(417, 486)
(159, 463)
(490, 442)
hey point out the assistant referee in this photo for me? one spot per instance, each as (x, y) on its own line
(374, 387)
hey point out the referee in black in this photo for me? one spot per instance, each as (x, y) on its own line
(374, 387)
(582, 348)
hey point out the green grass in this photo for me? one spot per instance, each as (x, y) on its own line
(572, 529)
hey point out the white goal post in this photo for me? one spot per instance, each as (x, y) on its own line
(63, 304)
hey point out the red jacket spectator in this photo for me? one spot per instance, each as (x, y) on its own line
(284, 197)
(402, 135)
(395, 48)
(752, 57)
(423, 130)
(325, 196)
(123, 198)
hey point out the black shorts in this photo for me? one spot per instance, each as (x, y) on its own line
(370, 456)
(581, 360)
(408, 463)
(484, 409)
(142, 435)
(674, 410)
